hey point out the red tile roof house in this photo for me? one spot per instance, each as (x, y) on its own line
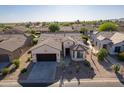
(13, 46)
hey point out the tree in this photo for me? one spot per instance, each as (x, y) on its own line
(2, 25)
(83, 30)
(54, 27)
(108, 26)
(102, 54)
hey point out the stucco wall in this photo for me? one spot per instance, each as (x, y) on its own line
(78, 59)
(111, 50)
(100, 43)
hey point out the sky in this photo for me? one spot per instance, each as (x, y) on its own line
(34, 13)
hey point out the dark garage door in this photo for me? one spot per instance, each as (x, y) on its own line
(4, 58)
(46, 57)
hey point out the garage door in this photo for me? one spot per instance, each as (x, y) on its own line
(4, 58)
(46, 57)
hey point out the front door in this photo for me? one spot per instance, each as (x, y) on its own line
(67, 50)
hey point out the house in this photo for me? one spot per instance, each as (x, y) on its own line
(13, 46)
(112, 41)
(66, 29)
(53, 47)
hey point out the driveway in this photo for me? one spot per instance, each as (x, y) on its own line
(43, 72)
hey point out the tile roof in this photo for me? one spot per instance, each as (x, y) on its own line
(50, 42)
(12, 42)
(105, 34)
(100, 37)
(66, 28)
(78, 45)
(117, 37)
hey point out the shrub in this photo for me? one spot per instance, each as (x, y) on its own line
(84, 37)
(23, 70)
(34, 41)
(16, 62)
(102, 54)
(83, 30)
(116, 68)
(29, 59)
(86, 63)
(121, 56)
(5, 71)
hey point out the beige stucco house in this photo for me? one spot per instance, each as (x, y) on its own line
(55, 47)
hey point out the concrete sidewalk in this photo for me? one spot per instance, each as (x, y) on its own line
(98, 82)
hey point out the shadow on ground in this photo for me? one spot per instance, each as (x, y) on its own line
(120, 77)
(70, 72)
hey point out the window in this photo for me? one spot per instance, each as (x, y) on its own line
(105, 46)
(79, 54)
(117, 49)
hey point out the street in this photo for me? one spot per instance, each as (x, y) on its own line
(73, 83)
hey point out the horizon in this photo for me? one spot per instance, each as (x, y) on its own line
(60, 13)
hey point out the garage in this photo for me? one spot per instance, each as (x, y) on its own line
(4, 58)
(46, 57)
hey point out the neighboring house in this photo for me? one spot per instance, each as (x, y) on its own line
(53, 47)
(112, 41)
(13, 31)
(66, 29)
(12, 46)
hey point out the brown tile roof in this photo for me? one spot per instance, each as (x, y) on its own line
(50, 42)
(12, 42)
(117, 37)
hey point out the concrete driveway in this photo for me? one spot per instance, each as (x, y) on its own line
(43, 72)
